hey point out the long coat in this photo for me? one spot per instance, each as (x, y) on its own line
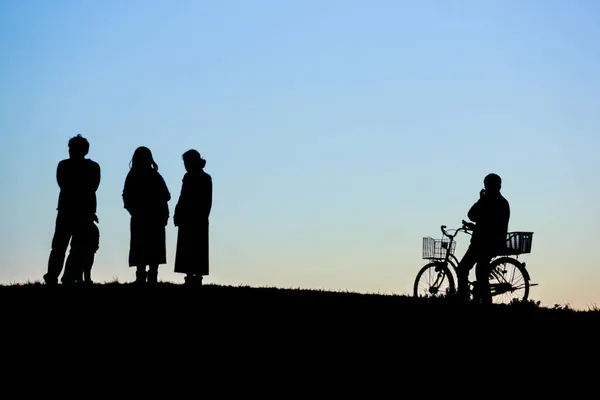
(146, 197)
(191, 216)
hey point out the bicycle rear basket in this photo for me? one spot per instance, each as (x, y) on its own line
(435, 249)
(519, 242)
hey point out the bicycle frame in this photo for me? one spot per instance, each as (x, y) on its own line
(450, 258)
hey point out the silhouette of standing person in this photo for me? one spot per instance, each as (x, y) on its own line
(78, 179)
(146, 197)
(491, 214)
(191, 217)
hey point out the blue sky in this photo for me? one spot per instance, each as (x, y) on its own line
(337, 133)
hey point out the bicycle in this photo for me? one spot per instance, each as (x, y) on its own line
(503, 267)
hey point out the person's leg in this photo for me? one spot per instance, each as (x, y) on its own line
(140, 274)
(482, 272)
(87, 268)
(60, 242)
(78, 267)
(156, 251)
(464, 267)
(192, 279)
(73, 266)
(153, 274)
(93, 246)
(72, 273)
(84, 244)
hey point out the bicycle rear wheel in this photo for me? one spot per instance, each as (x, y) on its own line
(509, 281)
(434, 280)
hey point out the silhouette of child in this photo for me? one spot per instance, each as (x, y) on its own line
(84, 246)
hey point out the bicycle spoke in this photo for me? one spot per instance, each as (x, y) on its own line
(508, 276)
(433, 283)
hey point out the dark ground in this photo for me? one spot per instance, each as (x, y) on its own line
(178, 304)
(223, 327)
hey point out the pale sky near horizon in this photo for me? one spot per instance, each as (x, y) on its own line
(337, 133)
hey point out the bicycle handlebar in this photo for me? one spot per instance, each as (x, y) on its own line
(466, 227)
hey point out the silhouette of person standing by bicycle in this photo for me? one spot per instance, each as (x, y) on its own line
(490, 216)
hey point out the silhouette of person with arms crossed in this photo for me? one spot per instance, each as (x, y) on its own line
(191, 217)
(490, 215)
(146, 197)
(78, 179)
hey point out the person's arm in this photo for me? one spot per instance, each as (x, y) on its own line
(60, 175)
(474, 211)
(165, 197)
(127, 193)
(165, 190)
(506, 215)
(209, 195)
(96, 176)
(179, 207)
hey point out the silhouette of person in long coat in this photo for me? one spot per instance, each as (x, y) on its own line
(491, 214)
(191, 217)
(78, 178)
(146, 197)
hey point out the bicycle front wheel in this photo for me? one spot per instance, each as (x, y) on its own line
(509, 281)
(434, 280)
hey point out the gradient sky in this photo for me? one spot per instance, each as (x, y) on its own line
(337, 133)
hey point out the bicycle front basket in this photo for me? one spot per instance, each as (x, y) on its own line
(519, 242)
(435, 249)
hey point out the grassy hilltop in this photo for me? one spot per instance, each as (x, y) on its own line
(213, 320)
(120, 298)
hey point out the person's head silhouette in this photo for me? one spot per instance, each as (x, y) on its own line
(78, 147)
(492, 183)
(193, 161)
(142, 159)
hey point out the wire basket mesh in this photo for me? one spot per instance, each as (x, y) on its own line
(436, 249)
(518, 243)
